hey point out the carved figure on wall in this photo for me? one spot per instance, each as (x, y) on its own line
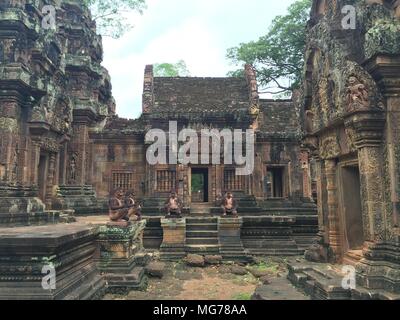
(309, 125)
(117, 208)
(73, 167)
(173, 206)
(356, 95)
(14, 165)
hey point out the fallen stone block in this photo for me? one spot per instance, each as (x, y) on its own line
(216, 259)
(155, 269)
(239, 271)
(195, 260)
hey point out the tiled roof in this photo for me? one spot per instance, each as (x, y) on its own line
(279, 118)
(125, 125)
(200, 95)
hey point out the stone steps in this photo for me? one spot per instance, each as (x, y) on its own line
(202, 249)
(201, 241)
(202, 235)
(318, 281)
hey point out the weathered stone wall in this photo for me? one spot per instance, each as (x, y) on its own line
(350, 94)
(53, 91)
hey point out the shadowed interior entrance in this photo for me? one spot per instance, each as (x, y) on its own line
(353, 221)
(199, 185)
(42, 169)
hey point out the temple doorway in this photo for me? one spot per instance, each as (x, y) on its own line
(42, 169)
(199, 185)
(352, 208)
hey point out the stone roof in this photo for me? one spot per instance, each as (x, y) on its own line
(200, 95)
(279, 119)
(124, 126)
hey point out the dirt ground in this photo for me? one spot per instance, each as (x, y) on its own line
(181, 282)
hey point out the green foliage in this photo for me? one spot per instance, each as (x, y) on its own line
(242, 296)
(110, 15)
(178, 69)
(197, 182)
(279, 55)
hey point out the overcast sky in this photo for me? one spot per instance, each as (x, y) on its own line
(196, 31)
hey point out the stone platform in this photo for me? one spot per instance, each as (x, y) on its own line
(69, 248)
(260, 235)
(322, 281)
(88, 259)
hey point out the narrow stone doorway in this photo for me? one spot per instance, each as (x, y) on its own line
(199, 185)
(352, 209)
(42, 175)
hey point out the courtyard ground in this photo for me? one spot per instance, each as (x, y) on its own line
(222, 282)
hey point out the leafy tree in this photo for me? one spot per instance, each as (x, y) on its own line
(109, 15)
(178, 69)
(279, 55)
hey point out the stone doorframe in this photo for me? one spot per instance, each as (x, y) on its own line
(342, 165)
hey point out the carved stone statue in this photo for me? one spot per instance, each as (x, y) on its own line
(229, 205)
(356, 95)
(134, 208)
(117, 209)
(173, 206)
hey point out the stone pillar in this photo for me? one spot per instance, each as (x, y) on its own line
(174, 239)
(120, 257)
(229, 236)
(370, 160)
(34, 162)
(322, 223)
(379, 168)
(50, 180)
(333, 217)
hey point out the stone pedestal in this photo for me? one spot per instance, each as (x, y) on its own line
(29, 254)
(119, 254)
(229, 231)
(380, 267)
(174, 239)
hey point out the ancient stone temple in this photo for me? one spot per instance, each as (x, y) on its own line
(275, 200)
(350, 110)
(64, 151)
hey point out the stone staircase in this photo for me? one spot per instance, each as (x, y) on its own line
(200, 209)
(202, 235)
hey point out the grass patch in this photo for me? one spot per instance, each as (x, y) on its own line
(269, 266)
(242, 296)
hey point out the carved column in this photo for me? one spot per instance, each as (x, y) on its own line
(322, 223)
(331, 187)
(372, 199)
(386, 69)
(50, 180)
(34, 162)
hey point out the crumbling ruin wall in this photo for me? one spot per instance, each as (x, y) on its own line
(54, 90)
